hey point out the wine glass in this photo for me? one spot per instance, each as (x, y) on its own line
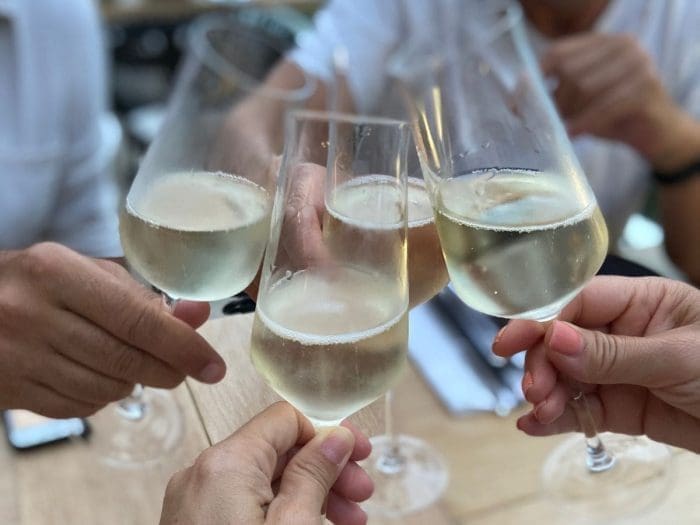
(408, 473)
(519, 226)
(331, 324)
(196, 218)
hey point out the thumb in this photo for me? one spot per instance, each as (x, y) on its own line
(595, 357)
(193, 313)
(309, 476)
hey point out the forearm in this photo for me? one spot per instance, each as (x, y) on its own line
(680, 202)
(680, 215)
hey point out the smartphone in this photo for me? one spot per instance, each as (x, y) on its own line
(25, 429)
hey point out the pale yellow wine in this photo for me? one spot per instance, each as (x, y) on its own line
(372, 202)
(516, 243)
(330, 341)
(197, 235)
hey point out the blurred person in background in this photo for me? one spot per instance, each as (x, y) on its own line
(627, 84)
(75, 332)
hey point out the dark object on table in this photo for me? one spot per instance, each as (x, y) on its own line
(240, 304)
(616, 265)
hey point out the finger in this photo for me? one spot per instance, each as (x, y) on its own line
(302, 237)
(576, 55)
(310, 474)
(363, 446)
(578, 76)
(48, 402)
(280, 427)
(532, 427)
(553, 406)
(343, 512)
(353, 483)
(517, 336)
(80, 383)
(123, 309)
(609, 299)
(540, 376)
(594, 357)
(85, 343)
(562, 50)
(596, 117)
(193, 313)
(659, 421)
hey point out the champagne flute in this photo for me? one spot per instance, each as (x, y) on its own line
(519, 226)
(408, 473)
(331, 323)
(196, 218)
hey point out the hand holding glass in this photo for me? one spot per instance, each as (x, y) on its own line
(519, 226)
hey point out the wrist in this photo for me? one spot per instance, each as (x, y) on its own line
(678, 144)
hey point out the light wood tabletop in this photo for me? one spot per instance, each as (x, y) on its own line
(494, 469)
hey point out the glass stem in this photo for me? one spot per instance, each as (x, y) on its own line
(133, 407)
(391, 461)
(598, 459)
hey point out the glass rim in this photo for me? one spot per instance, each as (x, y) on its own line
(199, 44)
(296, 115)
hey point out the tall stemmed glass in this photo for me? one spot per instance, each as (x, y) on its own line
(196, 218)
(331, 323)
(519, 226)
(408, 473)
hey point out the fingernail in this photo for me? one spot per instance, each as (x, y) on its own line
(519, 423)
(500, 333)
(212, 373)
(337, 445)
(565, 339)
(527, 383)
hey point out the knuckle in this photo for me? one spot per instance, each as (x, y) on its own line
(606, 357)
(170, 380)
(312, 471)
(210, 464)
(44, 258)
(118, 390)
(13, 310)
(125, 363)
(144, 322)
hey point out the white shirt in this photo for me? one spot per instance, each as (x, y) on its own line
(372, 30)
(56, 141)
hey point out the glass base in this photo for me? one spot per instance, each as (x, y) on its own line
(406, 482)
(120, 439)
(638, 479)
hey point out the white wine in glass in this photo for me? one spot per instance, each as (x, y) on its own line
(331, 328)
(185, 233)
(196, 218)
(408, 474)
(500, 228)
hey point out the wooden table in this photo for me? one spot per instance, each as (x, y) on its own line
(494, 468)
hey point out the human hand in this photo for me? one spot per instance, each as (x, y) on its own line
(274, 470)
(634, 351)
(77, 333)
(608, 87)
